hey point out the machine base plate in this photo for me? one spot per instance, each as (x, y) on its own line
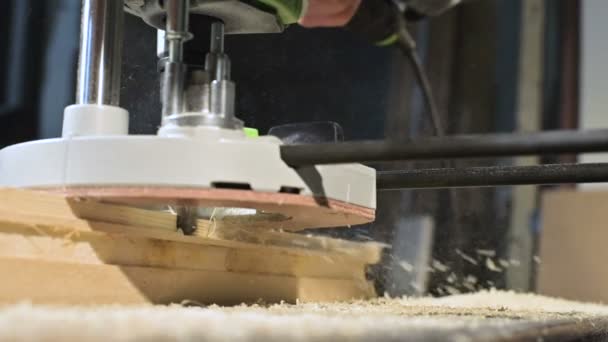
(295, 212)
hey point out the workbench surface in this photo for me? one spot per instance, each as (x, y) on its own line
(486, 316)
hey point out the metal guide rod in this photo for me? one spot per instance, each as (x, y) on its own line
(222, 92)
(217, 63)
(459, 146)
(175, 69)
(492, 176)
(100, 52)
(217, 37)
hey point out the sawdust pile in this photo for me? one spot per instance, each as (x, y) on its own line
(457, 318)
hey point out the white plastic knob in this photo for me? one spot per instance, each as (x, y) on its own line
(94, 120)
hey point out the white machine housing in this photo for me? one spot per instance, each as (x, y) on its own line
(96, 151)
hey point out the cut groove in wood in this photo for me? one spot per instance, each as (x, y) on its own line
(69, 214)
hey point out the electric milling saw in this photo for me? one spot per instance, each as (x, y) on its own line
(202, 162)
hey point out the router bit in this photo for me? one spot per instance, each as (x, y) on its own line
(176, 34)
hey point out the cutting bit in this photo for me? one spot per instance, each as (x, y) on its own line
(174, 83)
(187, 218)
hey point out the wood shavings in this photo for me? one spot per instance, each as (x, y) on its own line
(452, 290)
(437, 265)
(457, 318)
(486, 252)
(467, 257)
(490, 265)
(504, 263)
(515, 262)
(406, 266)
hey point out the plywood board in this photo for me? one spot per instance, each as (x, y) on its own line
(573, 249)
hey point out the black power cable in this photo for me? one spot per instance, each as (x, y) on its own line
(407, 45)
(383, 22)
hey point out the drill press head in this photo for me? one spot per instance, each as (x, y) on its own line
(200, 158)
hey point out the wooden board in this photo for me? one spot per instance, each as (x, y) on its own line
(46, 242)
(573, 245)
(90, 253)
(300, 212)
(47, 282)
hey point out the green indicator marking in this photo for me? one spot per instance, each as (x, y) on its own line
(251, 132)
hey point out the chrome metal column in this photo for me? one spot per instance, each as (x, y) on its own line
(100, 52)
(175, 70)
(222, 94)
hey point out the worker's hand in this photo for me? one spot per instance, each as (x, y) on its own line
(330, 13)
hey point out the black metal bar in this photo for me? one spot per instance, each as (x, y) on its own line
(459, 146)
(493, 176)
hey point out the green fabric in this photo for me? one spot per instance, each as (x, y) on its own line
(289, 11)
(392, 39)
